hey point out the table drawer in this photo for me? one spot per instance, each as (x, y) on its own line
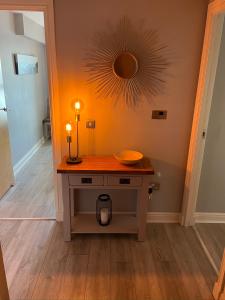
(86, 180)
(124, 180)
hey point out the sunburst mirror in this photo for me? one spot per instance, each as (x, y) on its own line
(127, 64)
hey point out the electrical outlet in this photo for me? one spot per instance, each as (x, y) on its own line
(155, 186)
(90, 124)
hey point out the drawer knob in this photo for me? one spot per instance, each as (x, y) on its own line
(86, 180)
(124, 180)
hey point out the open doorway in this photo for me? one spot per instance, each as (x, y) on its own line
(28, 191)
(210, 206)
(204, 205)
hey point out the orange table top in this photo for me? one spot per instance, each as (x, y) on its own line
(105, 165)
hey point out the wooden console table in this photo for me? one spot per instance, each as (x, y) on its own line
(104, 172)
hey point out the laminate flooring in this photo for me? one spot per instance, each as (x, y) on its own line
(33, 194)
(213, 236)
(169, 265)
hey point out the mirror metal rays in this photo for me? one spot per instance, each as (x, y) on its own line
(127, 64)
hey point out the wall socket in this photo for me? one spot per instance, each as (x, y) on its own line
(155, 186)
(159, 114)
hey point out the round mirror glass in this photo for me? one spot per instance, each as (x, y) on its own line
(125, 65)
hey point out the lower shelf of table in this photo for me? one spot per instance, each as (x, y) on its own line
(86, 223)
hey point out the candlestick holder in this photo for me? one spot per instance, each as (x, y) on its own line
(71, 159)
(77, 120)
(76, 159)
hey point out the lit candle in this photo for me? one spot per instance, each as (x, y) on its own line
(77, 111)
(77, 105)
(104, 214)
(68, 128)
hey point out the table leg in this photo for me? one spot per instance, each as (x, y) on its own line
(66, 208)
(142, 204)
(72, 203)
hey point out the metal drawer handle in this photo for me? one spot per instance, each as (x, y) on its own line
(124, 180)
(86, 180)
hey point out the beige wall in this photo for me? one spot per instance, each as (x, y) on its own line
(181, 26)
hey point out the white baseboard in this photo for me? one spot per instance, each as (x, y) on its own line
(201, 217)
(18, 166)
(163, 217)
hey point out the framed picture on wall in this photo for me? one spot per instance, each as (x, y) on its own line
(25, 64)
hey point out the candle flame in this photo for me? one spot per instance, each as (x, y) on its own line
(68, 127)
(77, 105)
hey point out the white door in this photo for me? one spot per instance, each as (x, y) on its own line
(6, 169)
(210, 57)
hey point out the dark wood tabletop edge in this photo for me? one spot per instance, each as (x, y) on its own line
(131, 172)
(145, 168)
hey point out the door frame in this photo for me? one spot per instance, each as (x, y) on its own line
(4, 292)
(209, 62)
(46, 6)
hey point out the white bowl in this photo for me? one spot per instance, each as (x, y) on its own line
(128, 157)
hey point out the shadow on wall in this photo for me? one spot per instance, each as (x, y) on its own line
(125, 201)
(168, 198)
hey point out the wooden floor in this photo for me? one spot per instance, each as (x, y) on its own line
(213, 236)
(170, 264)
(33, 194)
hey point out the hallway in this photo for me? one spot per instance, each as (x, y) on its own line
(33, 194)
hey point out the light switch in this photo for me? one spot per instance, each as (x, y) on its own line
(90, 124)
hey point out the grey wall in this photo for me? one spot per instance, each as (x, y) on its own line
(180, 25)
(211, 197)
(26, 95)
(29, 28)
